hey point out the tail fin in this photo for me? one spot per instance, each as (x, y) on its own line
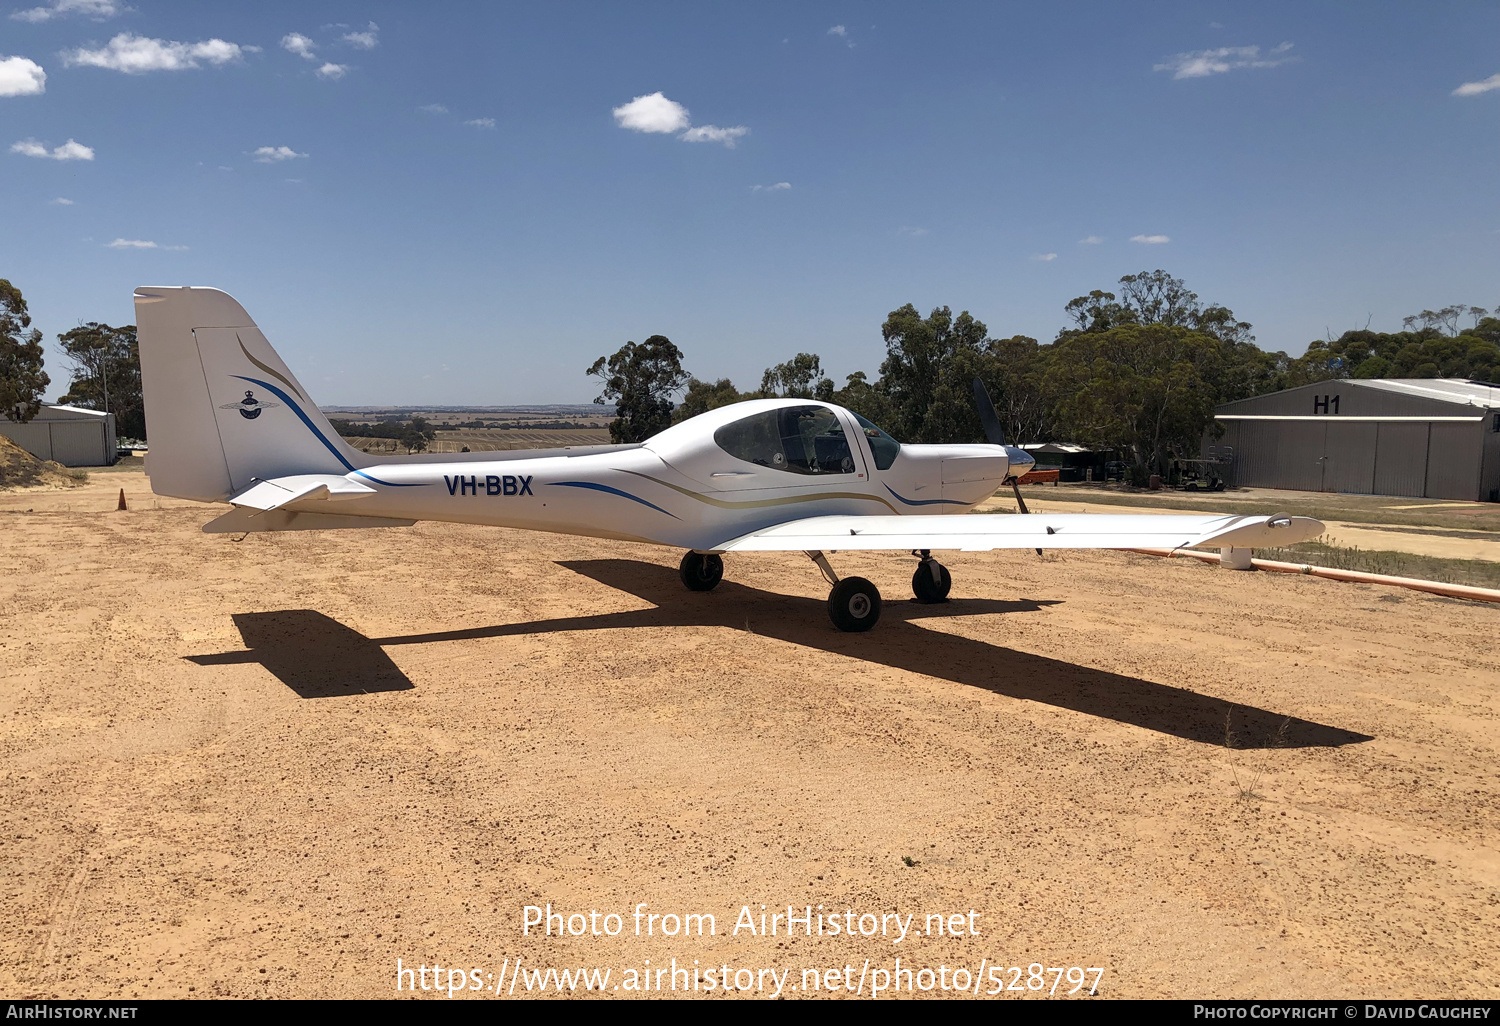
(222, 410)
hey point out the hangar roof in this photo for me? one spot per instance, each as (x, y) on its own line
(1424, 399)
(58, 412)
(1448, 390)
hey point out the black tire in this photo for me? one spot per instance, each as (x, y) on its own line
(925, 588)
(701, 572)
(854, 605)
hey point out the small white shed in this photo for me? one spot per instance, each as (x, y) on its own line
(70, 435)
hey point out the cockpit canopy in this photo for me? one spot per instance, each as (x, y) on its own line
(802, 440)
(797, 439)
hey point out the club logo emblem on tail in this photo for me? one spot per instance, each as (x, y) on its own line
(249, 406)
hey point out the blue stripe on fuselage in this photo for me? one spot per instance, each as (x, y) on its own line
(612, 491)
(925, 502)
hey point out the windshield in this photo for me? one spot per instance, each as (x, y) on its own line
(882, 446)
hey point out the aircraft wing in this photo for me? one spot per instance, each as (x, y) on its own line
(985, 531)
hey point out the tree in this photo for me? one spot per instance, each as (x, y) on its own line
(107, 374)
(1444, 321)
(1019, 388)
(927, 374)
(22, 380)
(416, 434)
(1424, 353)
(1146, 390)
(1155, 297)
(640, 380)
(865, 399)
(801, 377)
(703, 396)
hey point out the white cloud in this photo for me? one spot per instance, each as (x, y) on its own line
(434, 108)
(1091, 240)
(69, 150)
(136, 55)
(713, 133)
(1044, 257)
(1202, 63)
(275, 154)
(656, 114)
(481, 122)
(913, 231)
(297, 43)
(366, 40)
(778, 187)
(21, 77)
(96, 9)
(1467, 89)
(63, 202)
(652, 113)
(840, 31)
(1150, 240)
(333, 71)
(141, 244)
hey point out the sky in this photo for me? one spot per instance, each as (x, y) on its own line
(470, 203)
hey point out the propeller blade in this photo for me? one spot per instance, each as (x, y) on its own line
(1016, 485)
(992, 429)
(1019, 501)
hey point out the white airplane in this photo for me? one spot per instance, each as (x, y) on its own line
(229, 422)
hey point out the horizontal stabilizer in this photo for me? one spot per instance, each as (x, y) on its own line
(986, 531)
(242, 519)
(273, 494)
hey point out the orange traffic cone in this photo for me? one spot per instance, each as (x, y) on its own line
(122, 500)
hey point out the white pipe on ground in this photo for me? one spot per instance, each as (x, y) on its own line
(1462, 591)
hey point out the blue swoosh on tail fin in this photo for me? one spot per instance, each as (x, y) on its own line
(612, 491)
(314, 429)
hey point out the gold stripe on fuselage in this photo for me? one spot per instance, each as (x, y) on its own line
(763, 503)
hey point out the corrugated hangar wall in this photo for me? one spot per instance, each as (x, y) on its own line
(1382, 438)
(56, 433)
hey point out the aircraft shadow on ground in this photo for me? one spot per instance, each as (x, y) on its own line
(314, 655)
(319, 657)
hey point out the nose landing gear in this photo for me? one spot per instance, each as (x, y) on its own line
(931, 582)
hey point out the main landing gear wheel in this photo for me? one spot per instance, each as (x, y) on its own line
(931, 582)
(701, 571)
(854, 604)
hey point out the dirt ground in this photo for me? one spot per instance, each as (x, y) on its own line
(273, 767)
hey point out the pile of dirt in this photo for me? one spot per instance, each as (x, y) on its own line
(20, 469)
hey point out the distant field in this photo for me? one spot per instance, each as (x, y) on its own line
(492, 440)
(512, 427)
